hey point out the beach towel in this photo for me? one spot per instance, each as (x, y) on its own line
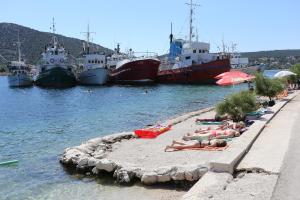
(202, 149)
(152, 132)
(209, 123)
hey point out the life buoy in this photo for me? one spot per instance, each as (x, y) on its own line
(61, 60)
(52, 60)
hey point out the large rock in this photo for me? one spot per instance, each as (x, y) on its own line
(178, 174)
(122, 176)
(163, 174)
(83, 163)
(92, 162)
(72, 156)
(149, 178)
(106, 165)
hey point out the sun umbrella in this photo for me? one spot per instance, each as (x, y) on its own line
(233, 77)
(283, 74)
(232, 73)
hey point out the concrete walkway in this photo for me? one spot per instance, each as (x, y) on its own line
(268, 151)
(289, 179)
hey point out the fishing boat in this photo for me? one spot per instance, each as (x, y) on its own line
(92, 69)
(55, 70)
(19, 72)
(130, 69)
(190, 62)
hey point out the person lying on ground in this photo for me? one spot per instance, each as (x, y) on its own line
(235, 126)
(216, 119)
(213, 134)
(195, 144)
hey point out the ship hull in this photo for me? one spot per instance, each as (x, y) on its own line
(57, 77)
(136, 72)
(96, 76)
(20, 80)
(195, 74)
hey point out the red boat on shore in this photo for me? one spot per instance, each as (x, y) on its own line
(128, 69)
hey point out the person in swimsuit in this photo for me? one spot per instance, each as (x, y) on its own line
(176, 146)
(235, 126)
(213, 134)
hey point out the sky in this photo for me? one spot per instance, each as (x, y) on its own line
(144, 25)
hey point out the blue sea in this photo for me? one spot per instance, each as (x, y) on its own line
(37, 124)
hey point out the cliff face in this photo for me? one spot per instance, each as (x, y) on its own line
(33, 43)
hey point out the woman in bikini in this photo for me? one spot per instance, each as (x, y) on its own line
(176, 146)
(220, 130)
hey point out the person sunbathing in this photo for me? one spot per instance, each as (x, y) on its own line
(176, 146)
(240, 126)
(235, 125)
(218, 134)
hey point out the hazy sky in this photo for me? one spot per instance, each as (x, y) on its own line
(145, 24)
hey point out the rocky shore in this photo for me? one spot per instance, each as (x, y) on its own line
(93, 157)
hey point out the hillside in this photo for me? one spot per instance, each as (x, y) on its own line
(33, 42)
(274, 53)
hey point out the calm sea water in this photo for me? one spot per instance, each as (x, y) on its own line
(36, 125)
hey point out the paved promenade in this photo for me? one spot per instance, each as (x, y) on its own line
(289, 178)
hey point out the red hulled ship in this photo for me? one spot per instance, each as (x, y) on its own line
(190, 62)
(196, 73)
(128, 69)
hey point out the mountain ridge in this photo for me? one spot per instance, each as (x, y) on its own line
(34, 41)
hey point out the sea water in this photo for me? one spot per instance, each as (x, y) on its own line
(37, 124)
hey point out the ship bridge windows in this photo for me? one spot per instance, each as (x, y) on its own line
(188, 57)
(194, 51)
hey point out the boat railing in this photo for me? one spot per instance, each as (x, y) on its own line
(143, 55)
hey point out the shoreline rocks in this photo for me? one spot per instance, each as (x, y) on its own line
(91, 157)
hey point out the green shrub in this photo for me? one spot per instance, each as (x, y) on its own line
(236, 106)
(296, 69)
(267, 87)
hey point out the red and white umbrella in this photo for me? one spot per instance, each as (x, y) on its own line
(233, 77)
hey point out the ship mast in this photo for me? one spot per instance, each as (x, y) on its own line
(54, 39)
(192, 5)
(19, 47)
(171, 35)
(88, 37)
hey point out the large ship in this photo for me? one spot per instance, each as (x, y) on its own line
(92, 69)
(190, 62)
(129, 69)
(55, 69)
(19, 72)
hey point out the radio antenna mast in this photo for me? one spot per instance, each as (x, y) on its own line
(192, 5)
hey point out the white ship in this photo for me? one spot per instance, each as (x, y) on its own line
(19, 72)
(92, 68)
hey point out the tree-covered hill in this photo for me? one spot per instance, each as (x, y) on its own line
(33, 43)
